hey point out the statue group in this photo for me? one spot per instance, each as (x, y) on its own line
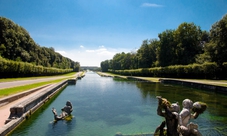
(66, 111)
(176, 121)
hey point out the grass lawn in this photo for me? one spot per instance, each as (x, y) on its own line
(29, 78)
(156, 79)
(9, 91)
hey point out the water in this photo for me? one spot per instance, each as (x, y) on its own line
(104, 106)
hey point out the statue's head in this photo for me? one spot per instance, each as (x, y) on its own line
(175, 107)
(187, 103)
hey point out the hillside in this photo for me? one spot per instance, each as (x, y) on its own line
(16, 44)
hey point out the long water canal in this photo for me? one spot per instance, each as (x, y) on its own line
(104, 106)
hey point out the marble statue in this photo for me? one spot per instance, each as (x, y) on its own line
(190, 111)
(177, 121)
(66, 111)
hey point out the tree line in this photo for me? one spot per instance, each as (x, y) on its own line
(186, 46)
(17, 45)
(10, 69)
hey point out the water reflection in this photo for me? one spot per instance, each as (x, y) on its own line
(104, 106)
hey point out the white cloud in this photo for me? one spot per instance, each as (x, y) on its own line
(61, 52)
(151, 5)
(91, 57)
(81, 46)
(90, 50)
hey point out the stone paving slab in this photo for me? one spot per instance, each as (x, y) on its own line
(5, 110)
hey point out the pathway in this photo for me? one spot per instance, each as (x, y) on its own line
(32, 81)
(5, 110)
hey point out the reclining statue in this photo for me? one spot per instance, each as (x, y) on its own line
(66, 111)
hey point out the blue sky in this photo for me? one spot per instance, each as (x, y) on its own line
(91, 31)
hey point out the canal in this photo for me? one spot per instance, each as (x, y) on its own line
(104, 106)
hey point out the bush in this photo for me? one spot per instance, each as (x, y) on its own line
(206, 70)
(9, 68)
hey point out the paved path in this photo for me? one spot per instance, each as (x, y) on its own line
(32, 81)
(5, 110)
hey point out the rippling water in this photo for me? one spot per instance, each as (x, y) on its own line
(104, 106)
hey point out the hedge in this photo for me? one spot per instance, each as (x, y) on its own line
(10, 68)
(206, 70)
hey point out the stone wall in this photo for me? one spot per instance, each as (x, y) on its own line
(213, 88)
(23, 110)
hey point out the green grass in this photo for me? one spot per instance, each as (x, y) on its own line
(14, 90)
(29, 78)
(156, 79)
(152, 79)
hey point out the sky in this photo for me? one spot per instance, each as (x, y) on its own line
(92, 31)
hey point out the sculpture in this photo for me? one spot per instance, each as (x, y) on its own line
(178, 123)
(66, 111)
(171, 117)
(190, 111)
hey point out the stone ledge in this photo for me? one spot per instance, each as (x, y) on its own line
(11, 98)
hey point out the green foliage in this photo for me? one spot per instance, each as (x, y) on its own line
(187, 37)
(206, 70)
(147, 53)
(217, 47)
(176, 52)
(9, 91)
(16, 44)
(10, 68)
(166, 53)
(105, 66)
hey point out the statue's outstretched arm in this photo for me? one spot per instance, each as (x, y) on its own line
(195, 115)
(54, 111)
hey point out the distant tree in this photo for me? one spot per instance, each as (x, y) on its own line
(2, 48)
(204, 56)
(166, 53)
(117, 61)
(217, 47)
(144, 55)
(134, 61)
(153, 48)
(105, 65)
(187, 37)
(16, 44)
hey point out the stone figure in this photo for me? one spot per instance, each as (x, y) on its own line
(171, 117)
(68, 108)
(66, 111)
(190, 111)
(178, 123)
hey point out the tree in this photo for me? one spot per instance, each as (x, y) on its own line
(16, 44)
(117, 61)
(187, 37)
(217, 47)
(166, 53)
(153, 48)
(147, 53)
(2, 48)
(105, 65)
